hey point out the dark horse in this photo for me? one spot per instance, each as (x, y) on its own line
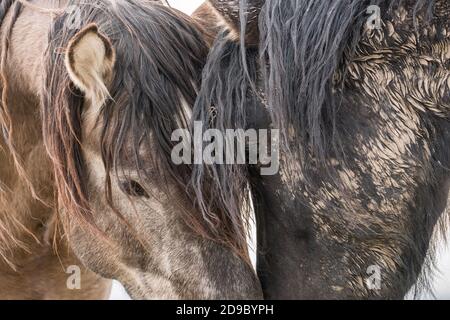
(92, 92)
(363, 104)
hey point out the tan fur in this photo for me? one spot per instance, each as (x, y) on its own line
(30, 268)
(213, 22)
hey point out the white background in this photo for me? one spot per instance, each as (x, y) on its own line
(187, 6)
(442, 274)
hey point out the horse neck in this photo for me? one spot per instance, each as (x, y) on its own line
(22, 217)
(28, 42)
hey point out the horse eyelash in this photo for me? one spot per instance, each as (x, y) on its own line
(134, 189)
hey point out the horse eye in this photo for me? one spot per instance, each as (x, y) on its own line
(134, 189)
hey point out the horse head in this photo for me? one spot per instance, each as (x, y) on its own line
(360, 91)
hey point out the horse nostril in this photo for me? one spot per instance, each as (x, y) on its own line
(134, 189)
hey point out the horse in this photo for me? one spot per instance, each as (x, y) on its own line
(92, 92)
(360, 93)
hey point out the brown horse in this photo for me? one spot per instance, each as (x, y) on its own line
(91, 95)
(360, 90)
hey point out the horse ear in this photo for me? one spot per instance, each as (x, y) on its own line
(90, 61)
(229, 11)
(208, 18)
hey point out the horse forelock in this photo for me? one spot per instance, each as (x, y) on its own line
(223, 103)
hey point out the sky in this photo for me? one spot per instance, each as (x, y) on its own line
(442, 276)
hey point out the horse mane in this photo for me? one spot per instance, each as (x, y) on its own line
(223, 103)
(4, 8)
(10, 226)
